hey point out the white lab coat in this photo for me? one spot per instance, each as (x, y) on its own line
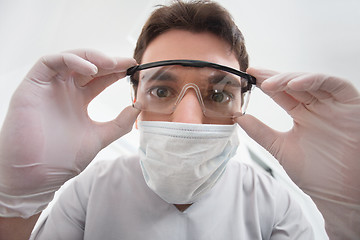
(110, 200)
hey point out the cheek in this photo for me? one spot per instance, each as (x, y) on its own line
(222, 121)
(148, 116)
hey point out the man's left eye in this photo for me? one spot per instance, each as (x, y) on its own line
(220, 97)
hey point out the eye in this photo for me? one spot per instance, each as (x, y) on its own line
(160, 92)
(220, 96)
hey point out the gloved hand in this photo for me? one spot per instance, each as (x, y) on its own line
(321, 153)
(48, 137)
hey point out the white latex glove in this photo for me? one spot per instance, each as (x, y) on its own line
(48, 137)
(321, 153)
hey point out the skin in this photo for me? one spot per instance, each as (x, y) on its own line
(194, 46)
(17, 228)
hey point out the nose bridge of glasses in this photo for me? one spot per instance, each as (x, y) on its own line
(184, 90)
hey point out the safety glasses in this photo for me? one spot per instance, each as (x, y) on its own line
(159, 87)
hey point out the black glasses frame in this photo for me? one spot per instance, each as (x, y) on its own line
(194, 63)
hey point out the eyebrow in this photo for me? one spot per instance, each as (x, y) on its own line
(225, 79)
(216, 79)
(161, 75)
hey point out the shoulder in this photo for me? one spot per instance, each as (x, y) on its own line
(106, 172)
(251, 178)
(260, 184)
(269, 195)
(107, 168)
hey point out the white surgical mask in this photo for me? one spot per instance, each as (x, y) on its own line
(180, 161)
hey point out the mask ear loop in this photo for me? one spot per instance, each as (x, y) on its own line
(197, 91)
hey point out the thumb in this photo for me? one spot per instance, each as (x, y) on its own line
(261, 133)
(121, 125)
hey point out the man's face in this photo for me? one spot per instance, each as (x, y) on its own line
(180, 44)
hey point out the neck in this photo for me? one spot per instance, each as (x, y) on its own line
(182, 207)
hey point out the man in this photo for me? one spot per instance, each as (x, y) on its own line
(131, 199)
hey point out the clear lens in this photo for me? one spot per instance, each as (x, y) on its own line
(161, 89)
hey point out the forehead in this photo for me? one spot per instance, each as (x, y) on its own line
(181, 44)
(181, 75)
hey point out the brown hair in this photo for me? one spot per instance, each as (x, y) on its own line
(194, 16)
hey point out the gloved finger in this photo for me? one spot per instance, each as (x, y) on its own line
(319, 84)
(280, 82)
(261, 74)
(305, 98)
(121, 125)
(105, 64)
(301, 97)
(98, 58)
(51, 65)
(122, 64)
(267, 137)
(96, 86)
(277, 87)
(282, 98)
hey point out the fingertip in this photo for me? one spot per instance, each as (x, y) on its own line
(127, 118)
(74, 63)
(129, 114)
(122, 64)
(265, 85)
(250, 70)
(119, 126)
(244, 121)
(96, 57)
(257, 130)
(254, 71)
(94, 70)
(133, 109)
(261, 73)
(112, 63)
